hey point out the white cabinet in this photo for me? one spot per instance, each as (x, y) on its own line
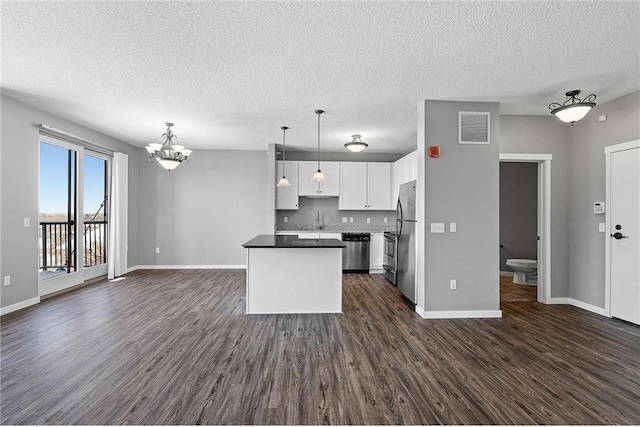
(396, 180)
(353, 186)
(320, 236)
(331, 171)
(376, 252)
(287, 197)
(403, 170)
(365, 186)
(413, 166)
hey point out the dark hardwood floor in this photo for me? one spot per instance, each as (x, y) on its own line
(513, 292)
(175, 347)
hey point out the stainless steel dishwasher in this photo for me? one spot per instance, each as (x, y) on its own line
(355, 255)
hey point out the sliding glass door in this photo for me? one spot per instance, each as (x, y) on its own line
(73, 215)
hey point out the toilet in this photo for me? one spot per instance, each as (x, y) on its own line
(525, 271)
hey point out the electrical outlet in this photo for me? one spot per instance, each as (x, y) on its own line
(157, 250)
(453, 284)
(385, 219)
(437, 227)
(452, 227)
(345, 219)
(286, 219)
(26, 222)
(350, 219)
(601, 227)
(7, 280)
(368, 220)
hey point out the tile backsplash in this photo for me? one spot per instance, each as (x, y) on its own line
(330, 215)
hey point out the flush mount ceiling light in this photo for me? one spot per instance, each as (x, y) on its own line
(284, 182)
(319, 176)
(356, 145)
(573, 109)
(168, 154)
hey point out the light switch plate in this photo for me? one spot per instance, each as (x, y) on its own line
(7, 280)
(350, 219)
(452, 227)
(345, 219)
(368, 220)
(601, 227)
(453, 284)
(157, 250)
(385, 219)
(286, 219)
(26, 222)
(437, 227)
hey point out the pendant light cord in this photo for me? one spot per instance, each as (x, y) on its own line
(284, 148)
(318, 112)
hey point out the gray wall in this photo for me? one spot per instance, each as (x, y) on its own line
(588, 137)
(201, 213)
(19, 194)
(461, 186)
(518, 212)
(330, 215)
(547, 135)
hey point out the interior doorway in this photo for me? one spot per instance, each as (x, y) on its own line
(543, 226)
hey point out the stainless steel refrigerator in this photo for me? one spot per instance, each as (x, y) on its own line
(406, 240)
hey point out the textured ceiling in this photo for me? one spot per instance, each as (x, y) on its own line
(229, 74)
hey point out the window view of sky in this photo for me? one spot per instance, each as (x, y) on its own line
(53, 181)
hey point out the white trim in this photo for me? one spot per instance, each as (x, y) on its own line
(607, 218)
(622, 147)
(19, 306)
(592, 308)
(471, 314)
(187, 267)
(516, 157)
(420, 311)
(506, 273)
(544, 218)
(561, 300)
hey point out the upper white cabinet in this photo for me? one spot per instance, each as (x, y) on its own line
(287, 197)
(331, 171)
(365, 186)
(403, 170)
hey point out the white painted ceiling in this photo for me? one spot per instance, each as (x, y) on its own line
(229, 74)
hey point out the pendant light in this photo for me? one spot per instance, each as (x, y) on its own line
(356, 145)
(573, 109)
(319, 176)
(284, 182)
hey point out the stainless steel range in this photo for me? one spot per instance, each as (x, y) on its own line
(389, 265)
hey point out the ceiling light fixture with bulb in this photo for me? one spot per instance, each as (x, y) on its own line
(319, 176)
(573, 109)
(168, 154)
(284, 182)
(356, 145)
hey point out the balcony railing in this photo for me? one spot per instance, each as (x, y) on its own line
(57, 245)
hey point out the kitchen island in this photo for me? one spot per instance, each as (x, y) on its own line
(286, 274)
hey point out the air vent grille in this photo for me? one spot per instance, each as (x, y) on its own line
(473, 127)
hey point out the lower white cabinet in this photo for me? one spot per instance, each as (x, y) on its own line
(376, 252)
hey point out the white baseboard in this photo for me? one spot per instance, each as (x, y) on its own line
(420, 311)
(186, 267)
(583, 305)
(577, 303)
(506, 273)
(19, 305)
(376, 271)
(471, 314)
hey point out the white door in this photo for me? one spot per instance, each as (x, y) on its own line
(624, 216)
(331, 187)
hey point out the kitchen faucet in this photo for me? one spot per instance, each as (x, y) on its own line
(319, 227)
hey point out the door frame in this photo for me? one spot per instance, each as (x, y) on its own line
(544, 217)
(607, 216)
(55, 284)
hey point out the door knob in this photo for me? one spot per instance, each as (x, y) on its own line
(617, 235)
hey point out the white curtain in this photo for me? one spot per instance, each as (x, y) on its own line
(118, 216)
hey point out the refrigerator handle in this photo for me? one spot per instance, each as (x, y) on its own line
(399, 218)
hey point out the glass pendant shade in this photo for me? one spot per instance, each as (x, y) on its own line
(284, 182)
(574, 108)
(572, 113)
(169, 164)
(356, 145)
(319, 177)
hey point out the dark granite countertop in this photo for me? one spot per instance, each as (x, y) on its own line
(273, 241)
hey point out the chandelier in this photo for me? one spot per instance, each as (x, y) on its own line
(168, 154)
(573, 109)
